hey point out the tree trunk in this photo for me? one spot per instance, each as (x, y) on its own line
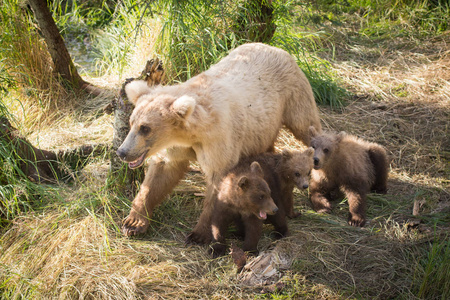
(129, 179)
(62, 62)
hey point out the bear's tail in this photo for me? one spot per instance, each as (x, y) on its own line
(380, 163)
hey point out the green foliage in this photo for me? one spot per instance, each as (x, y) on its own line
(6, 80)
(196, 35)
(433, 271)
(385, 18)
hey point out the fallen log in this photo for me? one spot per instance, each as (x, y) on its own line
(43, 166)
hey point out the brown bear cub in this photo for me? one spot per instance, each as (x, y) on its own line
(294, 169)
(350, 165)
(259, 188)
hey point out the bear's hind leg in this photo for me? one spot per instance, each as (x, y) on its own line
(378, 158)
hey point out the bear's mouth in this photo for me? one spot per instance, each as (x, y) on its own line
(316, 167)
(262, 215)
(138, 162)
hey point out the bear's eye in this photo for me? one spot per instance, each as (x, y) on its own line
(325, 150)
(261, 197)
(144, 130)
(297, 174)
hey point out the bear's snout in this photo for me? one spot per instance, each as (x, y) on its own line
(316, 161)
(275, 210)
(122, 154)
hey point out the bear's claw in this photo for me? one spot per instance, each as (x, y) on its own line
(132, 226)
(356, 221)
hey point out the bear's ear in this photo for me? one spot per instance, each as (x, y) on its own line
(136, 89)
(243, 182)
(312, 131)
(340, 136)
(255, 167)
(286, 154)
(310, 151)
(184, 106)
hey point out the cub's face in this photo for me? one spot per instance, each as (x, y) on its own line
(254, 194)
(324, 144)
(155, 124)
(298, 166)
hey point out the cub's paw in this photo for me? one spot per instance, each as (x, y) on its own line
(356, 221)
(134, 225)
(217, 250)
(198, 238)
(325, 210)
(294, 214)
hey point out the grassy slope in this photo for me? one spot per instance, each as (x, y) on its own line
(71, 247)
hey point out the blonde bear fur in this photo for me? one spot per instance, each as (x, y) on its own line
(234, 109)
(345, 163)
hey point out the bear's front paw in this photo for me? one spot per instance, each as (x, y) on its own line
(356, 221)
(217, 250)
(134, 225)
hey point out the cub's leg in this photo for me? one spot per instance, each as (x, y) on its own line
(320, 197)
(289, 205)
(253, 231)
(221, 218)
(160, 179)
(357, 207)
(278, 220)
(201, 234)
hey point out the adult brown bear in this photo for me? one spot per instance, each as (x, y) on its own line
(234, 109)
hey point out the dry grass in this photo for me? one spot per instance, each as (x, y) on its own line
(74, 249)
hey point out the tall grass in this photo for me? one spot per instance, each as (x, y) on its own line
(25, 58)
(433, 271)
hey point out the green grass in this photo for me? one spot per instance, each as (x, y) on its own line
(433, 270)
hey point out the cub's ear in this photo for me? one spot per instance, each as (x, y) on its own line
(340, 136)
(312, 131)
(286, 154)
(136, 89)
(255, 167)
(184, 106)
(310, 151)
(243, 183)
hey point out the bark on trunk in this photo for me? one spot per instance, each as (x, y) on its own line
(62, 62)
(129, 179)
